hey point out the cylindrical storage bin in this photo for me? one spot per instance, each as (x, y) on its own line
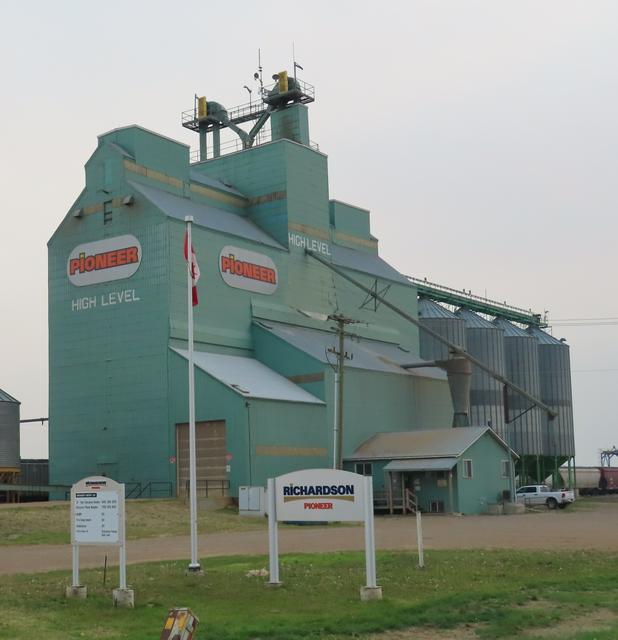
(522, 368)
(555, 387)
(435, 317)
(485, 342)
(9, 433)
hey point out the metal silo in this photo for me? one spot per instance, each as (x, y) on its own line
(446, 324)
(485, 341)
(435, 317)
(555, 389)
(522, 368)
(9, 433)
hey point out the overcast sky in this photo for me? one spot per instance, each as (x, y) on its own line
(482, 136)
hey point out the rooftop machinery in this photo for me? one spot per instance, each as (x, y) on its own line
(210, 117)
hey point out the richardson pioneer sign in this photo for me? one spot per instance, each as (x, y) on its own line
(104, 260)
(314, 495)
(248, 270)
(320, 494)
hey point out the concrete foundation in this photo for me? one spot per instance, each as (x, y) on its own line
(495, 509)
(124, 598)
(370, 593)
(514, 508)
(79, 592)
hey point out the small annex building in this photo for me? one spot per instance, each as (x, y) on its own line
(461, 470)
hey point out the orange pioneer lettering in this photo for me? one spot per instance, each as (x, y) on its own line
(106, 260)
(229, 264)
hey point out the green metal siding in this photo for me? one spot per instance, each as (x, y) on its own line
(250, 423)
(486, 485)
(108, 383)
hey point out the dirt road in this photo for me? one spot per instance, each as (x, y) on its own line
(594, 528)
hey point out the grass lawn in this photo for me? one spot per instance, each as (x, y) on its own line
(49, 523)
(476, 594)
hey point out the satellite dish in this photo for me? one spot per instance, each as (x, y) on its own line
(256, 76)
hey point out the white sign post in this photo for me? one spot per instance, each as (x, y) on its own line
(323, 495)
(98, 518)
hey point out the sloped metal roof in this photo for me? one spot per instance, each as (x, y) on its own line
(205, 215)
(430, 309)
(366, 263)
(474, 321)
(196, 176)
(430, 443)
(5, 397)
(366, 354)
(543, 337)
(249, 377)
(422, 464)
(510, 330)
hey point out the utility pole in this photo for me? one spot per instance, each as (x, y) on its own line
(342, 356)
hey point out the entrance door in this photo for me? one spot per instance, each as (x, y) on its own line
(210, 454)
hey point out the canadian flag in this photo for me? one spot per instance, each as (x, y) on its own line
(195, 269)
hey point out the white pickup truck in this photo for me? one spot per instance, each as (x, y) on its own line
(541, 494)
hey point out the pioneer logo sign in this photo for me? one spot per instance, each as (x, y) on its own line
(104, 260)
(320, 494)
(248, 270)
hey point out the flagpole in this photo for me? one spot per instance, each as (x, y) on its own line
(194, 566)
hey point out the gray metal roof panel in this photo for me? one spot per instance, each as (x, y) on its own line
(473, 320)
(196, 176)
(422, 464)
(430, 309)
(510, 330)
(430, 443)
(366, 263)
(543, 337)
(249, 377)
(5, 397)
(367, 354)
(205, 215)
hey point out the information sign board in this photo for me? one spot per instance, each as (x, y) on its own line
(97, 518)
(325, 495)
(320, 495)
(97, 510)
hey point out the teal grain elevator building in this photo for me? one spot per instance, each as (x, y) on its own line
(265, 326)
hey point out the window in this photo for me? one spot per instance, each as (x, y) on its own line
(526, 490)
(467, 468)
(364, 468)
(107, 212)
(505, 465)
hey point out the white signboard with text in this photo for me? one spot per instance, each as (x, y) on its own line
(321, 495)
(97, 518)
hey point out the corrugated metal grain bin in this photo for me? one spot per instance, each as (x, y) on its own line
(9, 433)
(555, 381)
(435, 317)
(522, 368)
(485, 341)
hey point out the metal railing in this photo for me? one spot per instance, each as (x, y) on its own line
(457, 297)
(153, 489)
(234, 145)
(209, 488)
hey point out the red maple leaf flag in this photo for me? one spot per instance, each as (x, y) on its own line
(195, 269)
